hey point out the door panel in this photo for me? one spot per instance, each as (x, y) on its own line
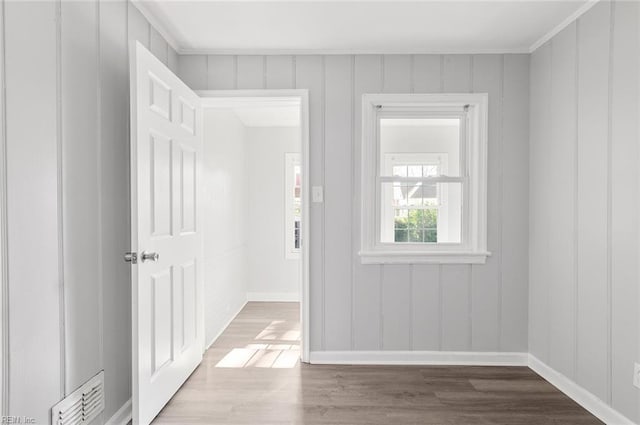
(168, 335)
(161, 182)
(188, 190)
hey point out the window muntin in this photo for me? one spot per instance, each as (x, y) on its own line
(424, 199)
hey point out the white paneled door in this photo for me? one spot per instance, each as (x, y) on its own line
(166, 233)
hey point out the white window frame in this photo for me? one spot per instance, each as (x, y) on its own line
(387, 227)
(472, 109)
(291, 252)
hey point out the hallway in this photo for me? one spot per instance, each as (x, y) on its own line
(251, 375)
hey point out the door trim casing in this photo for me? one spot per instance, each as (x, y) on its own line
(234, 98)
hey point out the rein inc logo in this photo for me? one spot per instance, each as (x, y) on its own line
(17, 420)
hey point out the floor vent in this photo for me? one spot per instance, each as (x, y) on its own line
(83, 405)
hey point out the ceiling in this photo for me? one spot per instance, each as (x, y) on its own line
(359, 26)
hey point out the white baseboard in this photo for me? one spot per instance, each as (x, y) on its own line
(584, 398)
(273, 296)
(226, 325)
(122, 416)
(453, 358)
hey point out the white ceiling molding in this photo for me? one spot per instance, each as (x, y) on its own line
(161, 28)
(176, 39)
(268, 52)
(572, 18)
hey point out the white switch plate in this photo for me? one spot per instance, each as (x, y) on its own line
(636, 375)
(317, 194)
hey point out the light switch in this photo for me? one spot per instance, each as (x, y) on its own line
(317, 194)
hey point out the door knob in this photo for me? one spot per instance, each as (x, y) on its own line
(149, 256)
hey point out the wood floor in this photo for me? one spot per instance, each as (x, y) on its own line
(251, 376)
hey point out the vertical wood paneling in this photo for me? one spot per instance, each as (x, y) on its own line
(456, 280)
(32, 208)
(172, 59)
(251, 72)
(486, 287)
(310, 76)
(67, 71)
(138, 26)
(115, 235)
(4, 283)
(192, 69)
(515, 204)
(396, 74)
(396, 303)
(457, 74)
(540, 123)
(425, 307)
(561, 230)
(426, 73)
(366, 278)
(158, 46)
(221, 70)
(589, 314)
(337, 198)
(79, 102)
(624, 208)
(455, 320)
(400, 307)
(593, 317)
(279, 72)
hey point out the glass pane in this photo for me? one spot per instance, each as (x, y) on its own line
(416, 213)
(414, 170)
(419, 147)
(400, 171)
(430, 171)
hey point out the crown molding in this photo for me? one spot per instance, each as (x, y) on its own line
(176, 45)
(562, 25)
(302, 52)
(159, 26)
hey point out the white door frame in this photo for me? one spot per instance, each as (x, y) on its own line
(235, 98)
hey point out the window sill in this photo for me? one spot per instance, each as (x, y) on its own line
(408, 257)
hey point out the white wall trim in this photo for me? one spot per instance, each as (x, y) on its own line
(122, 416)
(450, 358)
(584, 398)
(562, 25)
(224, 328)
(273, 296)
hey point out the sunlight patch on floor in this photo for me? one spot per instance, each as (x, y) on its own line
(277, 346)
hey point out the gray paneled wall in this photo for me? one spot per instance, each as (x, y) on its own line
(35, 335)
(584, 203)
(67, 115)
(401, 307)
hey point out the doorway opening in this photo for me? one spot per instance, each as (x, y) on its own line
(255, 212)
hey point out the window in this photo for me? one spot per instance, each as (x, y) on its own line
(424, 178)
(293, 205)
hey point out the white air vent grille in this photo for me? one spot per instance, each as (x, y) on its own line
(83, 405)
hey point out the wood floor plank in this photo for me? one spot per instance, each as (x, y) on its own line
(252, 376)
